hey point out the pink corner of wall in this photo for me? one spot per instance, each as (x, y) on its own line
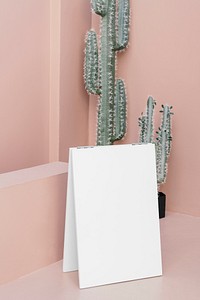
(74, 101)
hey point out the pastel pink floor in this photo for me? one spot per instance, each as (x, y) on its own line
(180, 237)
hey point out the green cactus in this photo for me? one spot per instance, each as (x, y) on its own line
(163, 143)
(163, 139)
(99, 71)
(146, 122)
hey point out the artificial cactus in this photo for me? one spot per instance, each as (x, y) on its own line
(99, 70)
(163, 139)
(146, 122)
(163, 143)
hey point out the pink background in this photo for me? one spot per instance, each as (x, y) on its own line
(24, 83)
(45, 109)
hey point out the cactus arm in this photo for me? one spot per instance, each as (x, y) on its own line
(166, 124)
(119, 111)
(123, 24)
(142, 121)
(161, 156)
(146, 122)
(169, 134)
(99, 7)
(164, 143)
(149, 129)
(91, 64)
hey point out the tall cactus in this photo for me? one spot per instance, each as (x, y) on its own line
(163, 139)
(99, 71)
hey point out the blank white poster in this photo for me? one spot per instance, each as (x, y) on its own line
(112, 225)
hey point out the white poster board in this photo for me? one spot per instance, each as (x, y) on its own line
(112, 229)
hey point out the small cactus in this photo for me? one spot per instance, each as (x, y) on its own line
(163, 139)
(146, 122)
(99, 70)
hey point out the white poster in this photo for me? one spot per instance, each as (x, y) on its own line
(112, 229)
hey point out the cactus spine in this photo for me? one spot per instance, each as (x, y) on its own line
(99, 71)
(163, 139)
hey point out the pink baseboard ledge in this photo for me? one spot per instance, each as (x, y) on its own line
(32, 214)
(33, 173)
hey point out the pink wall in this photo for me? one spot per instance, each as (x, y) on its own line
(44, 111)
(163, 61)
(32, 214)
(44, 107)
(24, 83)
(75, 21)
